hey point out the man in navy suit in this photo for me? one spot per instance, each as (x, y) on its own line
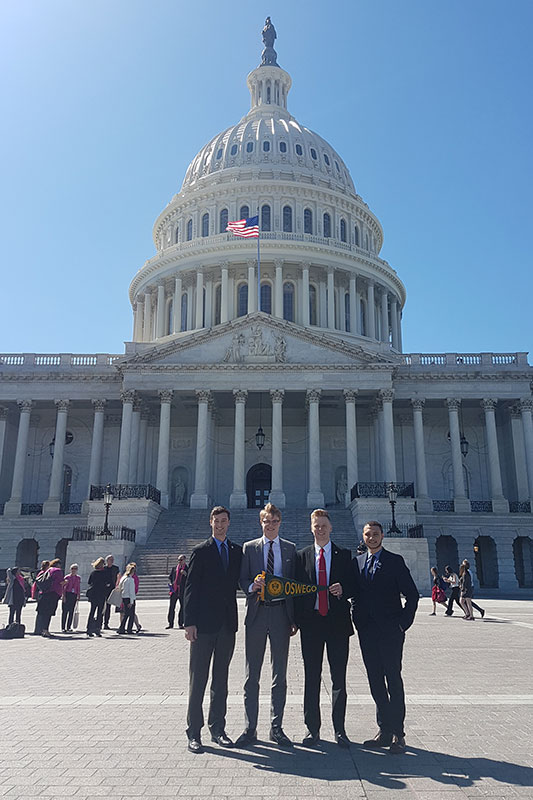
(381, 620)
(324, 622)
(210, 618)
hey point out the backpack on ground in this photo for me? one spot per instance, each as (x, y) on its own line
(15, 630)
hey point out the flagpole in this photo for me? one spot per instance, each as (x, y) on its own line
(258, 264)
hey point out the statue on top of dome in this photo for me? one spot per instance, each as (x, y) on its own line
(269, 55)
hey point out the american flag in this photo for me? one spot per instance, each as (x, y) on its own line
(245, 227)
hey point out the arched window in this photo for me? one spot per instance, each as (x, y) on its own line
(233, 150)
(283, 147)
(184, 304)
(326, 159)
(327, 225)
(218, 304)
(266, 146)
(287, 219)
(347, 312)
(343, 230)
(356, 236)
(242, 300)
(299, 150)
(177, 235)
(288, 301)
(266, 298)
(308, 221)
(170, 317)
(312, 306)
(268, 94)
(219, 153)
(249, 147)
(313, 154)
(244, 213)
(265, 218)
(223, 224)
(205, 225)
(189, 230)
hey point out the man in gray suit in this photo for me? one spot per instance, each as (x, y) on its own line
(272, 619)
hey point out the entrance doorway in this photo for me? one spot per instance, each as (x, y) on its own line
(258, 485)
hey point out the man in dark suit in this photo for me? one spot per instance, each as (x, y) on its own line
(210, 618)
(381, 620)
(266, 619)
(324, 621)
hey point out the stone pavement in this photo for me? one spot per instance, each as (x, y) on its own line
(86, 718)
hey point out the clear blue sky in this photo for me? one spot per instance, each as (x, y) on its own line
(105, 103)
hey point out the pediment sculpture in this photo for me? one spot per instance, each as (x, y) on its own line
(251, 347)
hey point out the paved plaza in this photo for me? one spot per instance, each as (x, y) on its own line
(87, 718)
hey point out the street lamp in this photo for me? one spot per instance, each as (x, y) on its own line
(260, 434)
(393, 495)
(108, 499)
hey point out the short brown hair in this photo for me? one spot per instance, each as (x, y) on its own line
(216, 510)
(373, 523)
(319, 512)
(270, 508)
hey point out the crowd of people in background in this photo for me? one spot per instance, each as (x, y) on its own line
(461, 588)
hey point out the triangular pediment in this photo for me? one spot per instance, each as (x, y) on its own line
(256, 339)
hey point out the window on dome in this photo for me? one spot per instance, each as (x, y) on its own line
(177, 235)
(313, 154)
(356, 235)
(265, 218)
(327, 225)
(326, 159)
(287, 219)
(244, 212)
(299, 150)
(219, 153)
(223, 223)
(184, 304)
(266, 146)
(288, 302)
(266, 298)
(233, 150)
(218, 304)
(343, 230)
(308, 221)
(242, 300)
(283, 147)
(347, 312)
(268, 94)
(337, 165)
(312, 306)
(249, 147)
(205, 225)
(189, 230)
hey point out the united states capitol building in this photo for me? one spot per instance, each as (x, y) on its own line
(296, 390)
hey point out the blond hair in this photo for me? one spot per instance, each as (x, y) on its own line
(319, 512)
(270, 508)
(99, 563)
(131, 567)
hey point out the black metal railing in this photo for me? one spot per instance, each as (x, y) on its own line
(481, 506)
(115, 532)
(520, 507)
(443, 505)
(126, 491)
(406, 531)
(381, 490)
(70, 508)
(27, 509)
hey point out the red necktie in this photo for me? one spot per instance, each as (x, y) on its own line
(322, 581)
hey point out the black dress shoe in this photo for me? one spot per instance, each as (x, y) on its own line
(379, 740)
(246, 738)
(221, 739)
(169, 627)
(397, 745)
(310, 739)
(280, 738)
(195, 746)
(342, 740)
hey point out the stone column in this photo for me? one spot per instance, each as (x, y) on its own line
(460, 500)
(208, 314)
(371, 311)
(520, 465)
(3, 423)
(389, 453)
(224, 315)
(353, 305)
(373, 417)
(423, 502)
(137, 321)
(399, 325)
(351, 441)
(238, 497)
(12, 507)
(147, 323)
(190, 309)
(125, 437)
(176, 306)
(394, 322)
(315, 496)
(384, 316)
(141, 456)
(95, 464)
(134, 446)
(526, 407)
(252, 287)
(199, 498)
(278, 290)
(163, 450)
(51, 506)
(160, 318)
(199, 321)
(331, 299)
(305, 295)
(277, 495)
(499, 503)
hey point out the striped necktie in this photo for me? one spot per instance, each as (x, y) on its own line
(270, 559)
(369, 569)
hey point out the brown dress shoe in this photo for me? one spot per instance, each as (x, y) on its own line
(380, 740)
(397, 744)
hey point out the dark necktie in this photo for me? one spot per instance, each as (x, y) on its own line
(270, 559)
(224, 555)
(369, 573)
(322, 581)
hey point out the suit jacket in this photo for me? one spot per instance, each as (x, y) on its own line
(377, 602)
(210, 592)
(339, 607)
(253, 563)
(181, 584)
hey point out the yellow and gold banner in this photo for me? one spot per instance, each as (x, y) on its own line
(278, 588)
